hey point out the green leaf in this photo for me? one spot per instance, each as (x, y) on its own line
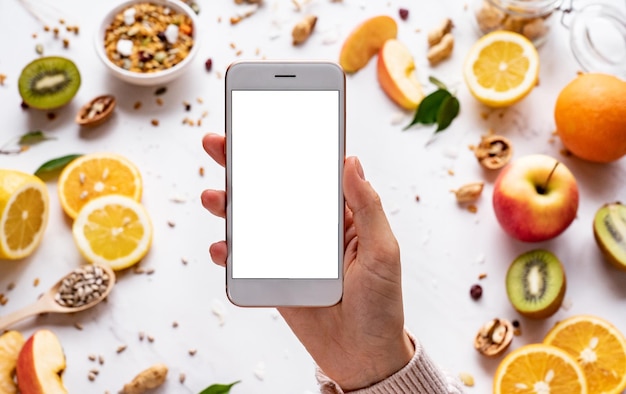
(437, 83)
(429, 107)
(33, 137)
(448, 110)
(219, 388)
(52, 167)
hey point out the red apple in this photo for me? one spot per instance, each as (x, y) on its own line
(11, 343)
(535, 198)
(396, 75)
(40, 365)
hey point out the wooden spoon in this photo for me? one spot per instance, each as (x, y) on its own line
(47, 303)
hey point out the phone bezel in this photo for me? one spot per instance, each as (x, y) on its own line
(285, 75)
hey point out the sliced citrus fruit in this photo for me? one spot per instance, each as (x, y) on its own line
(24, 206)
(95, 175)
(599, 348)
(539, 368)
(113, 230)
(501, 68)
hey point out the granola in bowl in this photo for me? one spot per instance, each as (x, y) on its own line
(147, 42)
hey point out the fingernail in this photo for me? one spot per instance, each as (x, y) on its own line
(359, 168)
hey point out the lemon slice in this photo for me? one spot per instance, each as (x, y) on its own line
(501, 68)
(24, 211)
(113, 230)
(94, 175)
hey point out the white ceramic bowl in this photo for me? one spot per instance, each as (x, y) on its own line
(157, 77)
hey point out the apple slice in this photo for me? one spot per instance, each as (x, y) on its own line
(396, 74)
(40, 365)
(365, 41)
(11, 343)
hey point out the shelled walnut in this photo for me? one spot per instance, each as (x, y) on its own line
(97, 111)
(493, 152)
(494, 337)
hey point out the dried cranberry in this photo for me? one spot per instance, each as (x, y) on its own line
(476, 292)
(404, 14)
(145, 56)
(208, 64)
(24, 105)
(161, 36)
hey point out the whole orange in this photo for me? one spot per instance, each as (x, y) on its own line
(590, 116)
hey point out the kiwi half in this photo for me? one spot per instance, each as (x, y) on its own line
(49, 82)
(609, 230)
(535, 284)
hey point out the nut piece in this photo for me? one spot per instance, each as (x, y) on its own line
(493, 152)
(303, 29)
(494, 337)
(469, 192)
(435, 35)
(96, 111)
(467, 379)
(146, 380)
(441, 51)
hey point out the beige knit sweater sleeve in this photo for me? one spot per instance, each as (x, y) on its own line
(419, 376)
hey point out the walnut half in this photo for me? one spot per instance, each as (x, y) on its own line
(494, 337)
(96, 111)
(493, 152)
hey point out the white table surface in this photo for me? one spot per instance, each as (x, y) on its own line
(444, 247)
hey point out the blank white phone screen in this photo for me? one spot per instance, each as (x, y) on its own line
(285, 184)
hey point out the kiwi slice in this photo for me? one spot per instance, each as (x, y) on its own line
(535, 284)
(609, 229)
(49, 82)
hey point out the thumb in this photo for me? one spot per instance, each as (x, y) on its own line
(371, 225)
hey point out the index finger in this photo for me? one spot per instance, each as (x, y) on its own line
(215, 146)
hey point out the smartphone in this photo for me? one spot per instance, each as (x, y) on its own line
(285, 148)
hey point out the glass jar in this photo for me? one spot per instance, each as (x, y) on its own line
(598, 38)
(531, 18)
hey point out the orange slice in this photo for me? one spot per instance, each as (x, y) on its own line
(539, 369)
(599, 348)
(24, 206)
(501, 68)
(113, 230)
(95, 175)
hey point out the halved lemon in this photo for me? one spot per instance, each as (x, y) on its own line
(113, 230)
(501, 68)
(24, 211)
(94, 175)
(539, 368)
(598, 346)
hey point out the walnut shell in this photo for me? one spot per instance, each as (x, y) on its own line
(493, 152)
(494, 337)
(97, 111)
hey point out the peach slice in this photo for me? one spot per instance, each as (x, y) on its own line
(11, 343)
(396, 75)
(365, 41)
(40, 365)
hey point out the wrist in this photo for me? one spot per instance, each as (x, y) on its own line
(377, 366)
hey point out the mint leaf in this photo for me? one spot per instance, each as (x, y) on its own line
(219, 388)
(32, 138)
(52, 167)
(437, 83)
(440, 107)
(429, 107)
(448, 110)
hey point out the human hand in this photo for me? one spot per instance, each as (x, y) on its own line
(361, 340)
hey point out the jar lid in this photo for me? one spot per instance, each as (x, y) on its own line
(598, 39)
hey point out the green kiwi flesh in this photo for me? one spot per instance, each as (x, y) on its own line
(535, 284)
(49, 82)
(609, 230)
